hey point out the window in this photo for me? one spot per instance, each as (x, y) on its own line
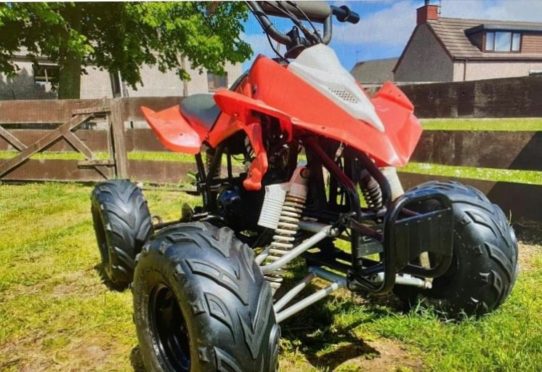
(516, 42)
(45, 73)
(502, 41)
(115, 84)
(216, 81)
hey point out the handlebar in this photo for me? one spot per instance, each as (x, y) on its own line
(316, 11)
(345, 14)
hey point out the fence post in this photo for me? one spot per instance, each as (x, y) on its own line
(119, 142)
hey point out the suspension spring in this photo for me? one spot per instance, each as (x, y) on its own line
(285, 236)
(371, 191)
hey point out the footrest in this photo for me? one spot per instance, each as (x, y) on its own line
(428, 232)
(408, 234)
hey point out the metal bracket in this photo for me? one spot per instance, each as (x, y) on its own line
(407, 237)
(337, 282)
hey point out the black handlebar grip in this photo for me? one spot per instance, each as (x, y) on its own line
(345, 14)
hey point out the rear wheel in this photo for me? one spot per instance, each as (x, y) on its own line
(122, 224)
(484, 266)
(202, 304)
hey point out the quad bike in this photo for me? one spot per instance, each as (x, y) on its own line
(310, 160)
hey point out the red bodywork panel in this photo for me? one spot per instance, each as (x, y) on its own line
(312, 111)
(173, 131)
(273, 90)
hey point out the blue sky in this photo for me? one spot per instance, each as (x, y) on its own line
(386, 25)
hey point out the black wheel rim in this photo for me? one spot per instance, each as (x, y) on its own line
(169, 329)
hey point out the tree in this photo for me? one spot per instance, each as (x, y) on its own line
(121, 37)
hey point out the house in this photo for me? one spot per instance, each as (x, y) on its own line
(34, 82)
(454, 49)
(374, 72)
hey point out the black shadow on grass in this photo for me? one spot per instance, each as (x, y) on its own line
(99, 268)
(312, 329)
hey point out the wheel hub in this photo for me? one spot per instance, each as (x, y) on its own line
(169, 328)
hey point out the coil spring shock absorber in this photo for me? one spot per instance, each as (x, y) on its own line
(371, 191)
(283, 213)
(283, 240)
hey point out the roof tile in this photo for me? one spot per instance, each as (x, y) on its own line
(451, 32)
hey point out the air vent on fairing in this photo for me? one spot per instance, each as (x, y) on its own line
(344, 95)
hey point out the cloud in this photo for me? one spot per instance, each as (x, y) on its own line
(506, 10)
(388, 27)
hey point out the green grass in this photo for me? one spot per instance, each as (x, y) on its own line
(72, 155)
(507, 125)
(488, 174)
(56, 314)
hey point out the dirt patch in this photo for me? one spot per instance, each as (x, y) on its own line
(390, 356)
(380, 355)
(529, 256)
(61, 351)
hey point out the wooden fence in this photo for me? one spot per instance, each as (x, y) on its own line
(484, 149)
(57, 125)
(494, 98)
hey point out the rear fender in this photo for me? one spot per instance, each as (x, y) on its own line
(172, 130)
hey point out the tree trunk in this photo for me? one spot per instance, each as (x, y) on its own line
(69, 80)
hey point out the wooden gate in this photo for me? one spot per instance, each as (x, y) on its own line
(59, 123)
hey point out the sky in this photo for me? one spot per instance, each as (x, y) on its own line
(386, 25)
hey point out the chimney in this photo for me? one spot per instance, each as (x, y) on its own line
(426, 13)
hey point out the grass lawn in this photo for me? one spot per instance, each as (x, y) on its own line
(478, 124)
(488, 174)
(56, 314)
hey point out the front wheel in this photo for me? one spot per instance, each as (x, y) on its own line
(485, 254)
(202, 304)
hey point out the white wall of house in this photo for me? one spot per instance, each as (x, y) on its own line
(96, 83)
(22, 86)
(425, 60)
(156, 83)
(479, 70)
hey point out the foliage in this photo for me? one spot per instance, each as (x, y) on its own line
(121, 37)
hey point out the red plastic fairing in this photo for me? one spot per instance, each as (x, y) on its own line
(278, 88)
(237, 114)
(242, 107)
(397, 113)
(259, 165)
(173, 130)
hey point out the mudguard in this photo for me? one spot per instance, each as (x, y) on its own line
(172, 129)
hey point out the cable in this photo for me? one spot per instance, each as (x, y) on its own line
(281, 57)
(316, 33)
(292, 17)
